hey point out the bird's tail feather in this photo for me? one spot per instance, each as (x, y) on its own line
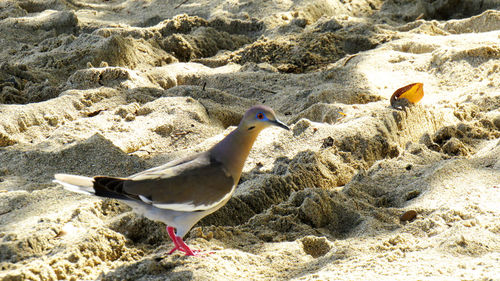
(79, 184)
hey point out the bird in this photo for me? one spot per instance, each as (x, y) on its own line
(183, 191)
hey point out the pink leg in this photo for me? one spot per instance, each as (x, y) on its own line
(185, 248)
(171, 233)
(181, 245)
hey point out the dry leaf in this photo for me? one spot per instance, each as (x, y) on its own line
(413, 93)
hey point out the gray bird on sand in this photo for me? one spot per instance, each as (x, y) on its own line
(181, 192)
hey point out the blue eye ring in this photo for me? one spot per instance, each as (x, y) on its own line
(260, 116)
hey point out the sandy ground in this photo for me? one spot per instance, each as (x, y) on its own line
(114, 87)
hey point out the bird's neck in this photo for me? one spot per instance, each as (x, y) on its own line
(233, 150)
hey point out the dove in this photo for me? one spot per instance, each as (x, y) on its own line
(183, 191)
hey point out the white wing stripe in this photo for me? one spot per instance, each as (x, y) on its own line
(145, 200)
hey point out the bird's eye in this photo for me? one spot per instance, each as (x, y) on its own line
(260, 115)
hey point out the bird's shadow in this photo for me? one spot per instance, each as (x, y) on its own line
(150, 268)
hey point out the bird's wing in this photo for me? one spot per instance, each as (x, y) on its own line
(162, 168)
(195, 185)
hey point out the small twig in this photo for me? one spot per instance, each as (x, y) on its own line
(420, 16)
(348, 59)
(343, 115)
(183, 2)
(77, 4)
(182, 133)
(178, 136)
(204, 85)
(263, 90)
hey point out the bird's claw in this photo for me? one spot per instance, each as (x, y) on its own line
(189, 252)
(181, 245)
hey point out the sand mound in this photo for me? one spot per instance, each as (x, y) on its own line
(355, 190)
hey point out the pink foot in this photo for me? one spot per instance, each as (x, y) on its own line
(181, 245)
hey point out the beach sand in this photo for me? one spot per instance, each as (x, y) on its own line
(355, 190)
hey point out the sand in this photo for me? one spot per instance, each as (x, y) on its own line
(114, 87)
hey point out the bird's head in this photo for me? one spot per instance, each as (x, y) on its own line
(260, 117)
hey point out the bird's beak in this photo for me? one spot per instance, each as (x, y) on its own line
(280, 124)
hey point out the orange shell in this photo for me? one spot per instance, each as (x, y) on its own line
(413, 93)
